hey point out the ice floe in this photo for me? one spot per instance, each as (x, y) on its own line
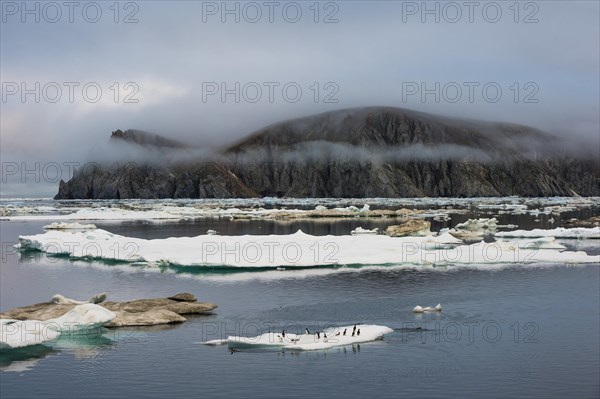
(559, 232)
(360, 230)
(325, 339)
(298, 250)
(421, 309)
(22, 333)
(79, 320)
(69, 226)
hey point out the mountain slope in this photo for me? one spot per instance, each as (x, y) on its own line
(362, 152)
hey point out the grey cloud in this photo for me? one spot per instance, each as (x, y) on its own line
(368, 54)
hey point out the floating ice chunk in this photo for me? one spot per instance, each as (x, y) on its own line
(420, 309)
(211, 232)
(482, 225)
(60, 299)
(22, 333)
(69, 226)
(360, 230)
(536, 243)
(365, 208)
(559, 232)
(444, 239)
(350, 208)
(215, 342)
(326, 339)
(82, 318)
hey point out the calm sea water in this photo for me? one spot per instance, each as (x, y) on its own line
(519, 331)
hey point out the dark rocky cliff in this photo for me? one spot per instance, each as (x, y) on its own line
(366, 152)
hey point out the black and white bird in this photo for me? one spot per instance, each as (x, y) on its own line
(307, 331)
(318, 335)
(358, 332)
(345, 331)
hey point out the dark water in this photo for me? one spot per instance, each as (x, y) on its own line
(521, 331)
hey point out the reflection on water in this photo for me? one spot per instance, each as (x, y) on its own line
(80, 346)
(23, 359)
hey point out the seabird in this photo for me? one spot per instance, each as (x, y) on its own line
(358, 332)
(353, 332)
(354, 329)
(232, 350)
(345, 331)
(337, 333)
(308, 332)
(324, 335)
(318, 335)
(283, 333)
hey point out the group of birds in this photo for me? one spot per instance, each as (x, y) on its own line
(355, 332)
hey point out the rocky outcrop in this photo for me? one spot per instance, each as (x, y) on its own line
(141, 312)
(365, 152)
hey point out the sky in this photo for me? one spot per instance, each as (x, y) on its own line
(210, 73)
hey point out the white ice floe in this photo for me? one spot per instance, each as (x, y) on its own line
(297, 250)
(325, 339)
(22, 333)
(474, 230)
(559, 232)
(80, 320)
(69, 226)
(62, 300)
(482, 225)
(420, 309)
(360, 230)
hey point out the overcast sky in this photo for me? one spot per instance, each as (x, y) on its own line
(543, 56)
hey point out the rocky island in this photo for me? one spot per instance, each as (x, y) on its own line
(351, 153)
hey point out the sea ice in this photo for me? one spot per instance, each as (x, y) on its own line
(360, 230)
(21, 333)
(298, 250)
(559, 232)
(420, 309)
(79, 320)
(69, 226)
(327, 338)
